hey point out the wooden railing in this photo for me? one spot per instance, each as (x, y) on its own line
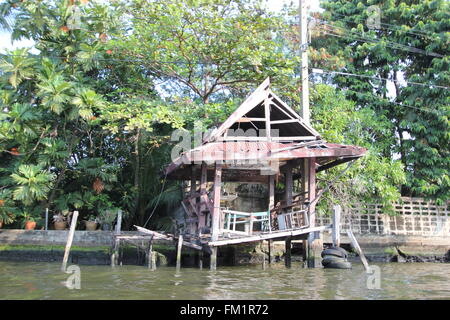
(412, 216)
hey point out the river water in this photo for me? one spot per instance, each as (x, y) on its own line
(25, 280)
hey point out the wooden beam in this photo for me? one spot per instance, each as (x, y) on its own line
(216, 202)
(284, 121)
(69, 240)
(245, 119)
(297, 138)
(356, 246)
(157, 235)
(288, 184)
(267, 117)
(266, 236)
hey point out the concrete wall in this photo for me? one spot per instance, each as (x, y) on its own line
(55, 237)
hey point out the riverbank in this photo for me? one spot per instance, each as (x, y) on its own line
(94, 248)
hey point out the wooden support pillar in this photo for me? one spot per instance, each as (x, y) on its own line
(193, 181)
(115, 253)
(289, 184)
(336, 230)
(216, 213)
(271, 250)
(200, 260)
(179, 247)
(203, 182)
(287, 256)
(271, 200)
(213, 260)
(315, 243)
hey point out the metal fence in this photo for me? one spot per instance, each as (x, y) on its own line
(413, 216)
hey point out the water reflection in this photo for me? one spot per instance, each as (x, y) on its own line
(398, 281)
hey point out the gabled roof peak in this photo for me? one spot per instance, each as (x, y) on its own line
(263, 116)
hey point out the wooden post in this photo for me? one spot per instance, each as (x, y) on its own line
(287, 256)
(289, 184)
(356, 246)
(119, 221)
(193, 181)
(315, 244)
(200, 260)
(213, 260)
(115, 253)
(271, 199)
(216, 213)
(336, 230)
(69, 240)
(46, 219)
(180, 245)
(203, 181)
(153, 260)
(271, 250)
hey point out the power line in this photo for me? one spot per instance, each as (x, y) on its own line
(391, 27)
(428, 110)
(394, 45)
(378, 78)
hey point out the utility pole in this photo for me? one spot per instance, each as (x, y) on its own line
(312, 246)
(303, 15)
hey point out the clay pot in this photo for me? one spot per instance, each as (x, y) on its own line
(60, 225)
(30, 225)
(91, 225)
(1, 224)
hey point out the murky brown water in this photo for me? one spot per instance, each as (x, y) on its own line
(398, 281)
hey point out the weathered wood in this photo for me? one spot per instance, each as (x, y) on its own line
(216, 202)
(200, 260)
(336, 230)
(287, 256)
(251, 102)
(46, 219)
(267, 117)
(193, 181)
(180, 244)
(266, 236)
(69, 240)
(161, 236)
(271, 250)
(213, 259)
(247, 119)
(315, 248)
(115, 252)
(356, 246)
(288, 184)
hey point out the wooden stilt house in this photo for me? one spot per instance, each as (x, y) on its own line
(264, 140)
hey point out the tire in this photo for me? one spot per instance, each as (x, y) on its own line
(338, 264)
(334, 252)
(327, 259)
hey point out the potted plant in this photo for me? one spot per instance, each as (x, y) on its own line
(107, 217)
(91, 223)
(28, 220)
(60, 221)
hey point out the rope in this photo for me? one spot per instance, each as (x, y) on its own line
(159, 198)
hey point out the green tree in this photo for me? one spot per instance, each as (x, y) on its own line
(410, 45)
